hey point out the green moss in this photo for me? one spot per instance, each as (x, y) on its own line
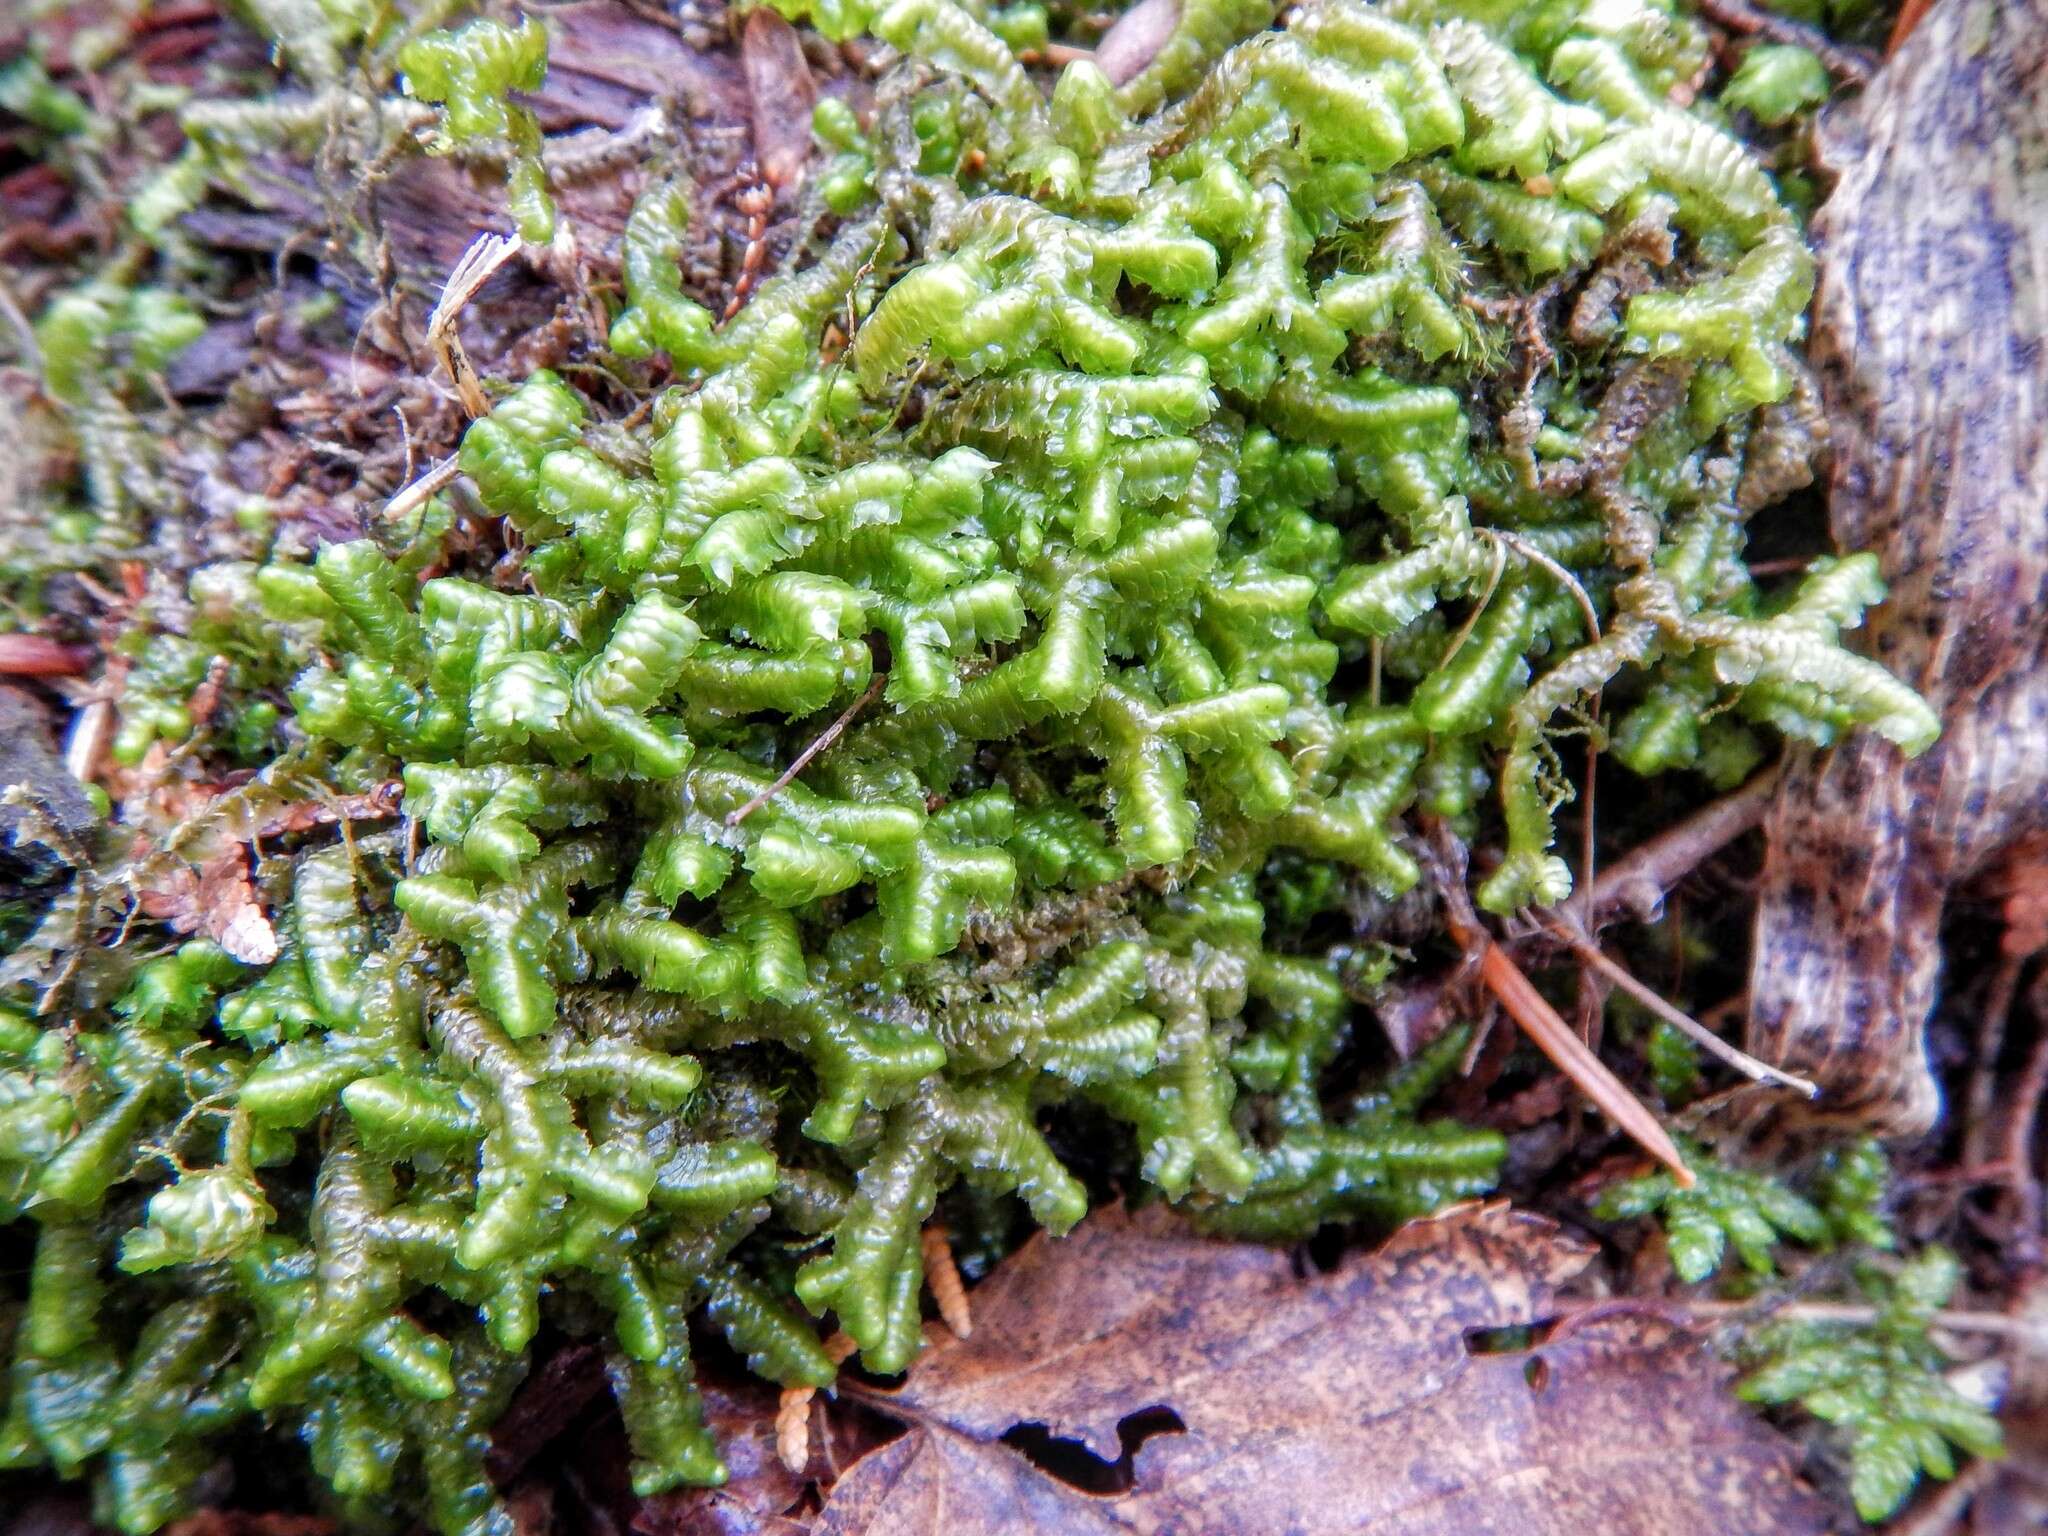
(1849, 1190)
(1162, 489)
(1880, 1384)
(1751, 1211)
(27, 91)
(1777, 82)
(473, 71)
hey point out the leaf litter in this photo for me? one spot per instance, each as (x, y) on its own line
(1349, 1400)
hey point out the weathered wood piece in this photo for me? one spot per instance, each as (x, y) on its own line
(1931, 341)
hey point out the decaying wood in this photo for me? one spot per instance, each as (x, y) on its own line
(1931, 343)
(29, 760)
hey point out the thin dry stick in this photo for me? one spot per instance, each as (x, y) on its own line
(1849, 64)
(1589, 853)
(1559, 573)
(2023, 1329)
(1910, 16)
(1571, 584)
(1571, 1056)
(485, 255)
(1677, 1018)
(1539, 1021)
(1500, 564)
(427, 485)
(1637, 881)
(1064, 54)
(830, 734)
(793, 1412)
(1941, 1514)
(943, 1276)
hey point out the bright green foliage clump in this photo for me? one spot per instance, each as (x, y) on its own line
(1674, 1063)
(1159, 537)
(27, 91)
(1753, 1212)
(1880, 1381)
(100, 344)
(1725, 1206)
(1880, 1384)
(474, 70)
(1852, 1187)
(1777, 82)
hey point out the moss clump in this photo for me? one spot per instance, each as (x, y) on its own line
(1880, 1384)
(1168, 527)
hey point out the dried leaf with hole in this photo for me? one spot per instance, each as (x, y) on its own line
(1926, 335)
(1349, 1401)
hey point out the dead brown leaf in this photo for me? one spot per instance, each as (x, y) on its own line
(214, 899)
(1349, 1401)
(1926, 338)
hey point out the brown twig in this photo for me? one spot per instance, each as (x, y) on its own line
(1500, 564)
(1637, 882)
(2025, 1330)
(40, 656)
(830, 734)
(1677, 1018)
(485, 255)
(1570, 1055)
(1539, 1021)
(1911, 14)
(1941, 1514)
(417, 493)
